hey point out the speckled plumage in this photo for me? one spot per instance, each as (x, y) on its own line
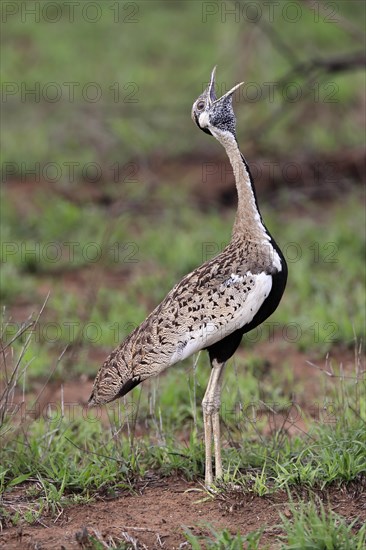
(212, 307)
(207, 295)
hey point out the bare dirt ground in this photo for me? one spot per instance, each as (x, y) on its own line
(157, 513)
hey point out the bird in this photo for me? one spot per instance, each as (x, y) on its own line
(212, 307)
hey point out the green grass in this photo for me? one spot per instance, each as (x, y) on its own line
(312, 527)
(66, 458)
(62, 454)
(155, 83)
(224, 540)
(151, 251)
(316, 252)
(70, 448)
(151, 260)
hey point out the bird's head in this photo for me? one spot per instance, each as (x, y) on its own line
(214, 115)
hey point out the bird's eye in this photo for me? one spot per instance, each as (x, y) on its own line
(200, 106)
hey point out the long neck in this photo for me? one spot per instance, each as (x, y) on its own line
(248, 221)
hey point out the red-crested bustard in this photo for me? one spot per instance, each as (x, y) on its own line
(212, 307)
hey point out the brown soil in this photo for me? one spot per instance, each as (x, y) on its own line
(209, 182)
(157, 514)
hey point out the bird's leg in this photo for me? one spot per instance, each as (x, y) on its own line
(217, 443)
(211, 421)
(207, 425)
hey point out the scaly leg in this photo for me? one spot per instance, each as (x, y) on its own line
(207, 425)
(211, 421)
(217, 443)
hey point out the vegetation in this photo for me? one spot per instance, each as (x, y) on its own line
(137, 248)
(107, 108)
(96, 229)
(67, 454)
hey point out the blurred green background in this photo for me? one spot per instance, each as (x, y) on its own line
(149, 60)
(110, 194)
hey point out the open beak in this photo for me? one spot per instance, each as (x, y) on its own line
(211, 89)
(230, 92)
